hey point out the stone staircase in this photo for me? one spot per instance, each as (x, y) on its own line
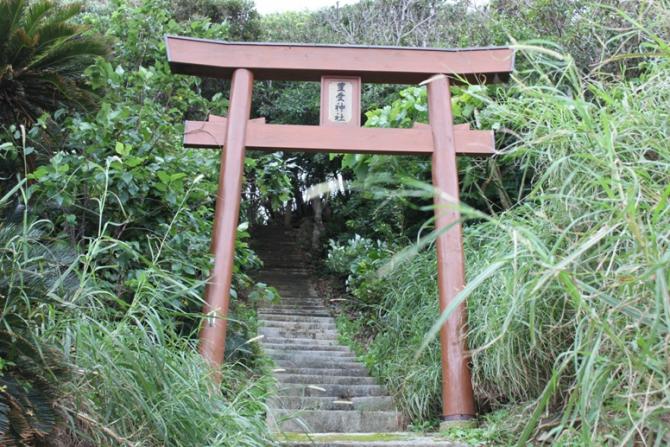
(322, 388)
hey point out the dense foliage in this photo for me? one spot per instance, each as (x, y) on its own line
(106, 255)
(106, 222)
(42, 55)
(569, 313)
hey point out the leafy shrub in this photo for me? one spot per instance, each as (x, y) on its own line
(42, 56)
(572, 301)
(358, 260)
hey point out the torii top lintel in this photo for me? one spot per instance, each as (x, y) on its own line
(301, 62)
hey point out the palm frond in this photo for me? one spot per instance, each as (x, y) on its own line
(42, 58)
(10, 15)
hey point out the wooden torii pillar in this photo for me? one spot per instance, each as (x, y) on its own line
(341, 70)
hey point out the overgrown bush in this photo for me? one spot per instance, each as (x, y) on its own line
(78, 362)
(571, 310)
(105, 254)
(358, 259)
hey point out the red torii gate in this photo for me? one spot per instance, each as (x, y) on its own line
(341, 70)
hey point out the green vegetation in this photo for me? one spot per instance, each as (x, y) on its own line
(105, 254)
(570, 312)
(42, 55)
(105, 223)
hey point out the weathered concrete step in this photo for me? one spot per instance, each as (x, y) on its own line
(291, 305)
(368, 440)
(298, 313)
(287, 291)
(316, 363)
(293, 289)
(299, 325)
(295, 306)
(292, 347)
(298, 357)
(274, 317)
(302, 333)
(285, 281)
(374, 403)
(301, 296)
(317, 310)
(301, 300)
(330, 390)
(323, 379)
(299, 340)
(313, 352)
(337, 421)
(358, 371)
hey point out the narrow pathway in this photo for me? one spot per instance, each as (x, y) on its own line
(322, 388)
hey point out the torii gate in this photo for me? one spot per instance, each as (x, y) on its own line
(341, 70)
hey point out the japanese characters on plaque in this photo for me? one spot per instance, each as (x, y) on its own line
(340, 101)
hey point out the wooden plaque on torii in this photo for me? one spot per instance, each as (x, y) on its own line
(341, 70)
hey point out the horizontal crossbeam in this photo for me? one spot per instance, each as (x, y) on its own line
(393, 65)
(282, 137)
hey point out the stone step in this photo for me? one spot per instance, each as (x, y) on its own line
(294, 307)
(314, 352)
(374, 403)
(316, 363)
(318, 334)
(295, 304)
(305, 321)
(319, 380)
(297, 357)
(285, 292)
(293, 347)
(335, 421)
(298, 318)
(298, 311)
(293, 290)
(358, 371)
(262, 313)
(285, 281)
(330, 390)
(309, 309)
(288, 300)
(302, 300)
(367, 440)
(299, 340)
(299, 325)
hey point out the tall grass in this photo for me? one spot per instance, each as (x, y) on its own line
(132, 375)
(572, 314)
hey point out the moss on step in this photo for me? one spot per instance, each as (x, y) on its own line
(332, 437)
